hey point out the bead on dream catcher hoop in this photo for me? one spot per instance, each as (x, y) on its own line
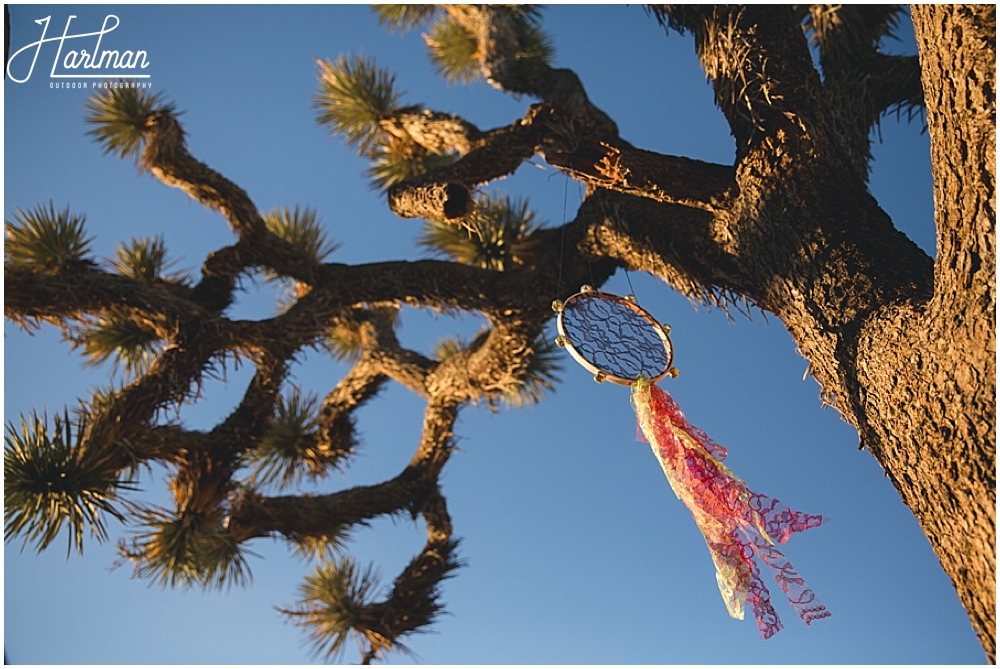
(619, 341)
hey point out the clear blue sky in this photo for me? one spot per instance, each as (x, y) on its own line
(577, 550)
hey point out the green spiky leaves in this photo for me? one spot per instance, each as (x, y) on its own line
(302, 228)
(320, 547)
(185, 550)
(145, 259)
(45, 240)
(501, 242)
(129, 345)
(287, 449)
(535, 43)
(455, 52)
(353, 96)
(54, 477)
(331, 607)
(452, 52)
(862, 26)
(400, 18)
(119, 117)
(342, 345)
(359, 102)
(394, 163)
(449, 347)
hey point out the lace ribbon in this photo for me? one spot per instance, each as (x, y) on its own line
(737, 522)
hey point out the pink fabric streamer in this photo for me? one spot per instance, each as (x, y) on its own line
(737, 522)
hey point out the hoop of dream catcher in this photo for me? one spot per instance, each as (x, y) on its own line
(619, 341)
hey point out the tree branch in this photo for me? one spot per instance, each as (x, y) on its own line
(859, 82)
(72, 294)
(617, 165)
(167, 157)
(897, 83)
(383, 352)
(203, 480)
(847, 35)
(497, 36)
(761, 71)
(413, 602)
(435, 131)
(681, 245)
(444, 193)
(328, 515)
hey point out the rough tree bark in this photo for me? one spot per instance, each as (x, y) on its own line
(903, 346)
(947, 462)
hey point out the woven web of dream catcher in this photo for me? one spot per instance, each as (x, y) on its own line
(615, 336)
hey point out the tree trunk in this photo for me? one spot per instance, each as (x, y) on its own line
(939, 376)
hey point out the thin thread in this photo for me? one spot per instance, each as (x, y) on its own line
(590, 268)
(562, 236)
(628, 276)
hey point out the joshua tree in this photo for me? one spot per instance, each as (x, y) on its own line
(903, 346)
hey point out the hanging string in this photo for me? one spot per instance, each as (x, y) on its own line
(562, 236)
(579, 191)
(628, 276)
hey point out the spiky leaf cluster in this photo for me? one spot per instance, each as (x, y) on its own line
(392, 164)
(54, 477)
(119, 116)
(354, 94)
(502, 226)
(330, 607)
(145, 259)
(400, 18)
(448, 347)
(45, 240)
(185, 550)
(527, 14)
(880, 21)
(535, 43)
(455, 52)
(452, 51)
(280, 457)
(98, 399)
(320, 547)
(129, 345)
(342, 345)
(301, 227)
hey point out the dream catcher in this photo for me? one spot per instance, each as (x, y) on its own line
(621, 342)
